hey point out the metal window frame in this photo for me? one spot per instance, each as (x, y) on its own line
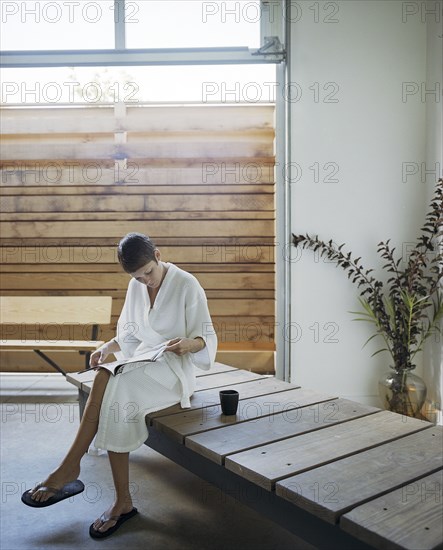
(283, 213)
(271, 52)
(169, 56)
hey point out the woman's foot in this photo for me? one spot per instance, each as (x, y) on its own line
(104, 523)
(54, 482)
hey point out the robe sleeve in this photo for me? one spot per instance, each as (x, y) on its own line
(199, 324)
(128, 327)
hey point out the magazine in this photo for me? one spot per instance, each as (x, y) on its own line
(151, 355)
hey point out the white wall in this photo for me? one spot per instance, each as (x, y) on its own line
(368, 55)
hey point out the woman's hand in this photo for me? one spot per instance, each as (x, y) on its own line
(100, 354)
(181, 346)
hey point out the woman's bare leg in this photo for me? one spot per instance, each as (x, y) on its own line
(123, 501)
(69, 468)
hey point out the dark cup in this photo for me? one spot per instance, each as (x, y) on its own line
(229, 402)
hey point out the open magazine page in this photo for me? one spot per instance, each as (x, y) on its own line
(151, 355)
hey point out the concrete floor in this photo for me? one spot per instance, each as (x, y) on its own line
(178, 511)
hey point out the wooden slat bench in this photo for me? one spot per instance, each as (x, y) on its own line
(336, 473)
(40, 311)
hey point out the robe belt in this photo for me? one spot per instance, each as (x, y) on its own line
(185, 402)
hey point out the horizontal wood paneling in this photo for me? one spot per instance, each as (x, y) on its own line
(15, 149)
(198, 179)
(141, 172)
(137, 118)
(118, 228)
(113, 281)
(143, 203)
(95, 255)
(234, 332)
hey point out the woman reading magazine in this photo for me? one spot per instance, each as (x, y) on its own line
(165, 307)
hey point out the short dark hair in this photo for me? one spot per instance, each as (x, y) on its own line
(134, 251)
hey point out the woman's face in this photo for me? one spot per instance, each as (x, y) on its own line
(150, 274)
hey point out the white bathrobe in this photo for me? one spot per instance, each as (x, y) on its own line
(180, 310)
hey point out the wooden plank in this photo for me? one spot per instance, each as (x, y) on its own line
(190, 135)
(214, 118)
(116, 268)
(179, 426)
(322, 413)
(333, 489)
(228, 267)
(119, 228)
(15, 150)
(408, 518)
(217, 379)
(80, 378)
(253, 346)
(59, 254)
(268, 464)
(222, 307)
(56, 309)
(178, 240)
(113, 281)
(68, 345)
(137, 203)
(152, 118)
(30, 362)
(209, 396)
(156, 175)
(140, 216)
(217, 368)
(38, 189)
(59, 138)
(218, 307)
(63, 136)
(119, 295)
(47, 332)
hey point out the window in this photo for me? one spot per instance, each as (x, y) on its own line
(149, 24)
(192, 24)
(50, 25)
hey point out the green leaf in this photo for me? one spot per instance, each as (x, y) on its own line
(379, 351)
(370, 338)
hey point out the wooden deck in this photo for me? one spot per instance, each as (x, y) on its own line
(336, 473)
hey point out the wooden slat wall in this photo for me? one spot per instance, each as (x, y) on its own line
(199, 179)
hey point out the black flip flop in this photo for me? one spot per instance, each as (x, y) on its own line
(119, 519)
(69, 490)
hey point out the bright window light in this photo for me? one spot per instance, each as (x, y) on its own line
(94, 85)
(87, 24)
(192, 24)
(57, 25)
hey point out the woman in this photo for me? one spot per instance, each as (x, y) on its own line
(163, 304)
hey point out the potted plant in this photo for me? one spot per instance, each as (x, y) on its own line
(405, 310)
